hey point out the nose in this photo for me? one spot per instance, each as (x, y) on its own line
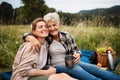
(45, 28)
(52, 27)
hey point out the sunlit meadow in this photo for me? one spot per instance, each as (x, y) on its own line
(88, 38)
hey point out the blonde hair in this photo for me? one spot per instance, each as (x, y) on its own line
(52, 17)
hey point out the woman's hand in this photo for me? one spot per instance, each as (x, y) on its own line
(77, 57)
(52, 70)
(35, 44)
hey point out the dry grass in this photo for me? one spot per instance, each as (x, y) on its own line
(86, 38)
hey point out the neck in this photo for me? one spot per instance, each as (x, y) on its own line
(56, 37)
(41, 40)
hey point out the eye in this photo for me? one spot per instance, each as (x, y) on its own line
(40, 27)
(54, 24)
(46, 26)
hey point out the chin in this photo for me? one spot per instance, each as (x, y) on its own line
(45, 35)
(54, 34)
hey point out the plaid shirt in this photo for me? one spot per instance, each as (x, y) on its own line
(67, 41)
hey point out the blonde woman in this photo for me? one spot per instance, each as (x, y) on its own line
(28, 64)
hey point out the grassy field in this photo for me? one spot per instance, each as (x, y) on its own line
(86, 38)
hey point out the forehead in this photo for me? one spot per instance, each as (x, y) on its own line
(52, 22)
(41, 23)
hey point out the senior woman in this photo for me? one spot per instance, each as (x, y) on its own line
(29, 65)
(62, 44)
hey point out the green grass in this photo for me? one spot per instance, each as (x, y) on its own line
(10, 39)
(91, 37)
(86, 38)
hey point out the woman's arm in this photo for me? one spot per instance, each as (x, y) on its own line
(25, 63)
(51, 70)
(73, 47)
(27, 37)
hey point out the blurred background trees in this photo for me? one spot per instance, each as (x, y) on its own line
(37, 8)
(6, 13)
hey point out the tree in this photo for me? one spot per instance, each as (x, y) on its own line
(6, 13)
(20, 17)
(35, 8)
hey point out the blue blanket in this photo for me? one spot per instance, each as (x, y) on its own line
(86, 55)
(6, 75)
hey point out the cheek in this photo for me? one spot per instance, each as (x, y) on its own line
(37, 31)
(48, 28)
(34, 32)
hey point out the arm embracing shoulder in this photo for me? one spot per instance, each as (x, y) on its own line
(25, 35)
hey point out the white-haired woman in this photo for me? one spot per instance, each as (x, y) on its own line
(29, 64)
(61, 44)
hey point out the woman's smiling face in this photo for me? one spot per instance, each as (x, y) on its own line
(41, 29)
(53, 27)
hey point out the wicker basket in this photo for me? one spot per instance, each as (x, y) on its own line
(103, 58)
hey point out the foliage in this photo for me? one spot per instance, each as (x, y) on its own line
(24, 14)
(37, 8)
(97, 17)
(105, 16)
(104, 47)
(34, 8)
(86, 38)
(10, 39)
(6, 13)
(91, 37)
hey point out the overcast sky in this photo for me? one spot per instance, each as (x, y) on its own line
(72, 6)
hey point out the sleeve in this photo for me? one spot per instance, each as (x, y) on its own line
(26, 60)
(72, 44)
(24, 35)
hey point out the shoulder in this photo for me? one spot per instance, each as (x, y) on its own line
(25, 48)
(26, 52)
(25, 45)
(65, 34)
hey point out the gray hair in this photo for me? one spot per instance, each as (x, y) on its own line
(52, 17)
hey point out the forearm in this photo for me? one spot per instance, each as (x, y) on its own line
(25, 36)
(34, 72)
(42, 72)
(28, 37)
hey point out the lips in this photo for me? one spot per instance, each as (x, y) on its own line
(53, 31)
(44, 32)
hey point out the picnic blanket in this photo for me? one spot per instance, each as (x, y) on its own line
(86, 55)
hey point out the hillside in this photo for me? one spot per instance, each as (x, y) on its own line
(115, 10)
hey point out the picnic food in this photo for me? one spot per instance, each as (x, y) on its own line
(104, 49)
